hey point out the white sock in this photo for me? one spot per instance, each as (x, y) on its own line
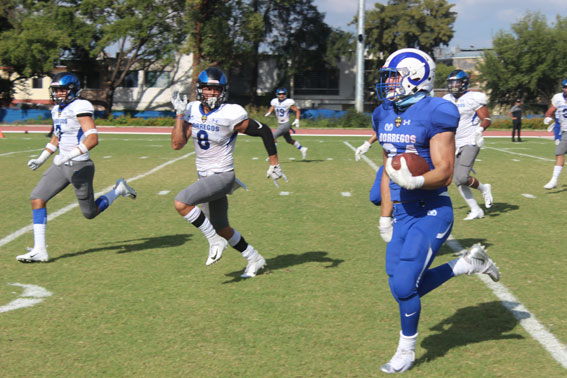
(39, 236)
(407, 342)
(480, 187)
(250, 253)
(297, 145)
(459, 266)
(206, 227)
(557, 171)
(234, 239)
(467, 195)
(111, 196)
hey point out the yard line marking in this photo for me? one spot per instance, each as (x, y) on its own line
(527, 195)
(519, 154)
(527, 320)
(19, 152)
(367, 160)
(32, 295)
(50, 217)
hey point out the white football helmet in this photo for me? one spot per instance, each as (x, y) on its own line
(406, 72)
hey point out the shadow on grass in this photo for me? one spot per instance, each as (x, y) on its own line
(496, 210)
(285, 261)
(133, 245)
(469, 325)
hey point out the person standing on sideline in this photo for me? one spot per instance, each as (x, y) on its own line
(282, 106)
(474, 119)
(416, 211)
(516, 114)
(74, 133)
(558, 111)
(214, 126)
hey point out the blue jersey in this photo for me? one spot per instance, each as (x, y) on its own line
(410, 131)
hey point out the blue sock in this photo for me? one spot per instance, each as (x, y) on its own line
(40, 216)
(102, 202)
(433, 278)
(410, 309)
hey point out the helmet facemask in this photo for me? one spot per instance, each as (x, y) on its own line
(67, 81)
(458, 83)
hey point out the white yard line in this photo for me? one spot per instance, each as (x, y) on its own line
(518, 153)
(527, 320)
(50, 217)
(21, 152)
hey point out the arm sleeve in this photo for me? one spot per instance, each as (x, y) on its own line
(256, 129)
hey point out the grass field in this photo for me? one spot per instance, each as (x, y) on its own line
(131, 295)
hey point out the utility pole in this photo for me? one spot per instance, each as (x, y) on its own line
(359, 86)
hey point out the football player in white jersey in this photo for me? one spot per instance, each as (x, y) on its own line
(214, 126)
(74, 134)
(558, 112)
(282, 106)
(468, 139)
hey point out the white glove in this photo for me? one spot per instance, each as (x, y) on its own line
(403, 176)
(386, 228)
(179, 104)
(62, 158)
(557, 141)
(275, 172)
(478, 138)
(296, 123)
(362, 150)
(550, 123)
(267, 114)
(36, 163)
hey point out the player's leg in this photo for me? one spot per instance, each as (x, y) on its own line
(296, 144)
(560, 151)
(463, 166)
(255, 261)
(52, 182)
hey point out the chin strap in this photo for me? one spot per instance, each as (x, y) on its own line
(408, 101)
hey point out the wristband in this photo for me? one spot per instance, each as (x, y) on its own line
(83, 148)
(51, 147)
(91, 131)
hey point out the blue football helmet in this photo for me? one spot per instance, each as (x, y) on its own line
(406, 72)
(65, 80)
(564, 84)
(212, 77)
(458, 82)
(281, 91)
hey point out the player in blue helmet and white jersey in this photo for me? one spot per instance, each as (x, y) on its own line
(416, 212)
(474, 119)
(74, 134)
(282, 105)
(557, 113)
(214, 126)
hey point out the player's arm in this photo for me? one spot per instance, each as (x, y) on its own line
(484, 117)
(386, 225)
(269, 111)
(363, 148)
(549, 118)
(91, 140)
(49, 150)
(442, 150)
(181, 133)
(297, 115)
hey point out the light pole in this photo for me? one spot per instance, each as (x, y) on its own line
(359, 86)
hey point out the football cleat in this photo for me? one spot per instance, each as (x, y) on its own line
(475, 214)
(34, 255)
(551, 184)
(303, 152)
(487, 194)
(123, 189)
(403, 360)
(217, 245)
(479, 262)
(254, 266)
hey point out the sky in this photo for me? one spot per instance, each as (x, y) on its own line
(477, 22)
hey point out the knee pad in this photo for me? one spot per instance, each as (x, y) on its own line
(402, 288)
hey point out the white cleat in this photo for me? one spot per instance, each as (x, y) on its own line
(403, 360)
(551, 184)
(487, 194)
(34, 255)
(123, 189)
(475, 214)
(303, 152)
(254, 266)
(216, 247)
(479, 262)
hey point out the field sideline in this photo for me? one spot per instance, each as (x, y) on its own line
(514, 253)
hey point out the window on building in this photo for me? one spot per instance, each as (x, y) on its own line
(325, 82)
(131, 80)
(157, 79)
(37, 83)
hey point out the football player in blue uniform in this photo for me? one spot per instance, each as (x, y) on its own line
(416, 211)
(74, 134)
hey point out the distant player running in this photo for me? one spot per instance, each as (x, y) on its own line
(282, 106)
(557, 113)
(75, 134)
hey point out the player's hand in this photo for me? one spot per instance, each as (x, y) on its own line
(386, 228)
(179, 104)
(62, 158)
(35, 163)
(362, 150)
(550, 123)
(295, 123)
(478, 138)
(275, 173)
(403, 176)
(267, 114)
(557, 141)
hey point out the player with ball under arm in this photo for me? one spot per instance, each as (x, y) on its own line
(416, 213)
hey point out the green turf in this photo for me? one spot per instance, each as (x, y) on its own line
(132, 295)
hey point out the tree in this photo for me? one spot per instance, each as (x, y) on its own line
(528, 63)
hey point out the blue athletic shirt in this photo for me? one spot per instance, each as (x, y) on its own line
(410, 131)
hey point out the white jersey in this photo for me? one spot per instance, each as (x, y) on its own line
(214, 136)
(468, 104)
(67, 128)
(282, 109)
(559, 102)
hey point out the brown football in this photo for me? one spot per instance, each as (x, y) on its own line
(416, 164)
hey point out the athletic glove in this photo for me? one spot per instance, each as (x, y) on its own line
(550, 123)
(275, 172)
(179, 104)
(362, 150)
(386, 228)
(267, 114)
(403, 176)
(36, 163)
(296, 123)
(478, 138)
